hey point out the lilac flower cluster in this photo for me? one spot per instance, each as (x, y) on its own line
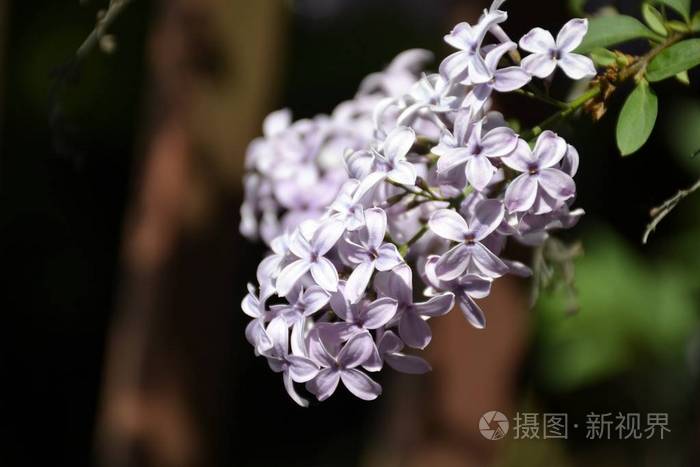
(430, 199)
(296, 169)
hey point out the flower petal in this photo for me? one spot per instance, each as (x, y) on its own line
(379, 312)
(538, 41)
(479, 172)
(289, 386)
(557, 184)
(257, 337)
(453, 263)
(289, 276)
(521, 158)
(577, 66)
(448, 224)
(452, 158)
(356, 350)
(499, 142)
(472, 312)
(549, 149)
(414, 331)
(436, 306)
(360, 384)
(454, 66)
(326, 236)
(279, 334)
(397, 283)
(487, 263)
(314, 298)
(375, 223)
(571, 34)
(539, 64)
(358, 280)
(388, 257)
(478, 71)
(409, 364)
(325, 383)
(324, 274)
(403, 172)
(487, 217)
(398, 143)
(510, 78)
(521, 193)
(301, 369)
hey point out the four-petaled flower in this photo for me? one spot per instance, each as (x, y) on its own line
(310, 258)
(469, 255)
(342, 365)
(255, 307)
(541, 187)
(367, 252)
(548, 53)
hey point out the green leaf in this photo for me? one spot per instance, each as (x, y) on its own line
(683, 77)
(636, 119)
(654, 18)
(695, 23)
(610, 30)
(676, 59)
(603, 57)
(682, 7)
(576, 7)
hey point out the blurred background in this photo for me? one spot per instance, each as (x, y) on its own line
(120, 179)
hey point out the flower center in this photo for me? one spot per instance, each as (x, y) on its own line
(555, 54)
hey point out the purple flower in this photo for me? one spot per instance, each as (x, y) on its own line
(254, 306)
(302, 304)
(413, 329)
(468, 61)
(469, 147)
(541, 188)
(502, 80)
(469, 255)
(390, 347)
(310, 258)
(428, 96)
(547, 53)
(366, 251)
(465, 288)
(294, 368)
(343, 366)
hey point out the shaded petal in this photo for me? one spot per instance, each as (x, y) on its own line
(324, 274)
(297, 340)
(479, 172)
(454, 66)
(250, 305)
(301, 369)
(299, 245)
(358, 280)
(397, 283)
(453, 263)
(325, 383)
(257, 337)
(403, 172)
(437, 306)
(379, 312)
(453, 158)
(389, 343)
(488, 263)
(487, 217)
(315, 298)
(398, 143)
(557, 184)
(289, 276)
(374, 362)
(318, 352)
(472, 312)
(476, 287)
(327, 235)
(521, 158)
(388, 257)
(577, 66)
(571, 34)
(375, 222)
(360, 384)
(356, 351)
(570, 161)
(494, 56)
(521, 193)
(279, 334)
(549, 149)
(510, 78)
(289, 386)
(407, 363)
(537, 40)
(499, 142)
(448, 224)
(478, 71)
(539, 64)
(414, 331)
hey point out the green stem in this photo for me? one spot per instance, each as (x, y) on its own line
(542, 98)
(115, 8)
(403, 249)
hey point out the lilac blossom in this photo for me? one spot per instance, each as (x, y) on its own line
(294, 368)
(469, 255)
(469, 148)
(399, 206)
(367, 251)
(342, 366)
(309, 254)
(413, 329)
(541, 187)
(547, 53)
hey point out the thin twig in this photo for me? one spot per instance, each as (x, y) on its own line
(658, 213)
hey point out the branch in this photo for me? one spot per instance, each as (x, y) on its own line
(658, 213)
